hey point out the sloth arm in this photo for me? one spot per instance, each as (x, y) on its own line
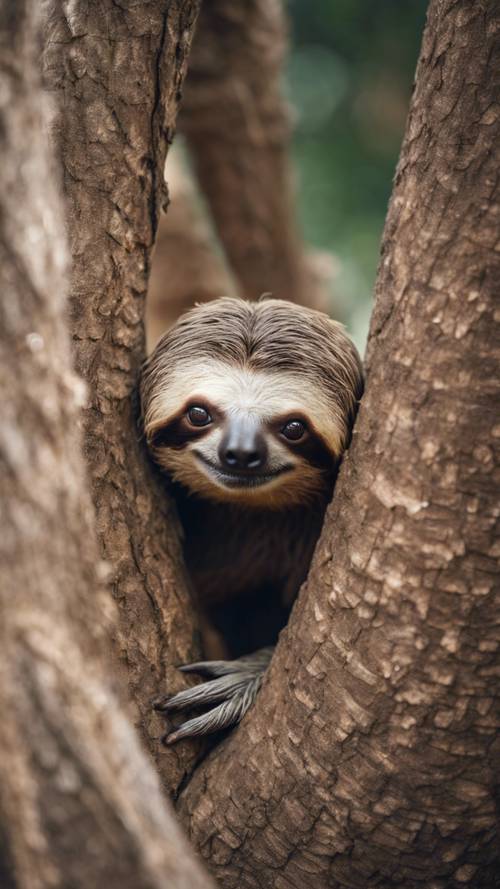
(246, 570)
(232, 685)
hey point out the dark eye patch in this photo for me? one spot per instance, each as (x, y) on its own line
(180, 430)
(310, 446)
(314, 450)
(177, 434)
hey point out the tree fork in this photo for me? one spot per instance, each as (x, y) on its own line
(369, 758)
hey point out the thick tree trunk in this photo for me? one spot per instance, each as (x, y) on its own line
(80, 805)
(236, 122)
(370, 756)
(116, 71)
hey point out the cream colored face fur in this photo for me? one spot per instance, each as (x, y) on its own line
(259, 394)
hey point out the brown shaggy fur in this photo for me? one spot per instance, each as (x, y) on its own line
(247, 563)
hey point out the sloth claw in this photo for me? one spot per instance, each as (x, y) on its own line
(235, 685)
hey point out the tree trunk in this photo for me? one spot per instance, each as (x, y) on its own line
(237, 126)
(370, 756)
(369, 759)
(187, 267)
(80, 805)
(117, 96)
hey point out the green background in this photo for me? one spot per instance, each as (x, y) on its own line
(349, 79)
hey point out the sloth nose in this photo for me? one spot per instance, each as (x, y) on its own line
(243, 447)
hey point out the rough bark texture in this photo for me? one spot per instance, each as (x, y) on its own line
(80, 805)
(187, 265)
(370, 757)
(237, 127)
(116, 73)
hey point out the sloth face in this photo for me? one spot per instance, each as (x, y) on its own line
(233, 422)
(245, 436)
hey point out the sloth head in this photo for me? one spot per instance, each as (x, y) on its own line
(251, 402)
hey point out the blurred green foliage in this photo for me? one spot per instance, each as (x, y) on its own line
(350, 77)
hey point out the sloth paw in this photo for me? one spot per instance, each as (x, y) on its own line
(233, 683)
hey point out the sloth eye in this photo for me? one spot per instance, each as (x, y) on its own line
(198, 416)
(294, 430)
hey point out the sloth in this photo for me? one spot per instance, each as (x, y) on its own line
(248, 408)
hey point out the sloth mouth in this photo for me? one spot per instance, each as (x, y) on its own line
(232, 478)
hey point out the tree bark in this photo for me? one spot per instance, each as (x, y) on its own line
(237, 127)
(116, 72)
(370, 757)
(80, 804)
(187, 265)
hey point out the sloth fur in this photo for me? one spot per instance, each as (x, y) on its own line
(248, 408)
